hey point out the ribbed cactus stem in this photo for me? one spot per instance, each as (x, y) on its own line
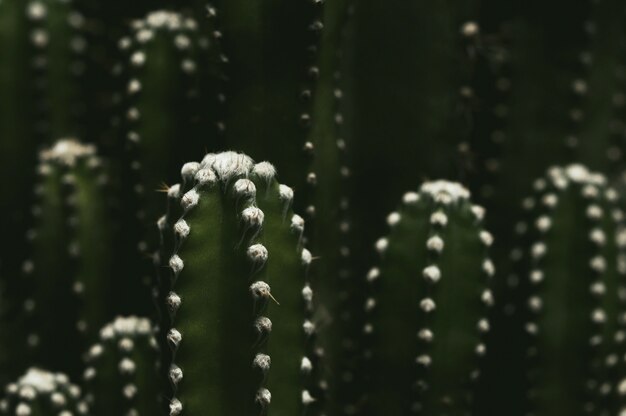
(70, 268)
(170, 64)
(42, 393)
(428, 304)
(271, 75)
(121, 374)
(574, 273)
(42, 45)
(235, 237)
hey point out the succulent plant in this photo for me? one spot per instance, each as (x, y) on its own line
(71, 262)
(573, 267)
(235, 236)
(121, 376)
(435, 272)
(41, 393)
(41, 49)
(354, 102)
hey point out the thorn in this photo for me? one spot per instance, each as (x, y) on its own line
(163, 188)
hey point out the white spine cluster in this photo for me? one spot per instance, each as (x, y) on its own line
(45, 391)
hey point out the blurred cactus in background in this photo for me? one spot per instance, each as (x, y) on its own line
(161, 268)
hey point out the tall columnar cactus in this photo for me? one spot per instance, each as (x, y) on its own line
(326, 205)
(576, 72)
(41, 393)
(121, 376)
(425, 115)
(170, 95)
(573, 278)
(237, 236)
(428, 304)
(271, 49)
(170, 82)
(41, 50)
(70, 268)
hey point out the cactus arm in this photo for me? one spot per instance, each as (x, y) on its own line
(435, 272)
(121, 372)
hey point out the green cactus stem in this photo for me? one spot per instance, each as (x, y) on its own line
(171, 96)
(41, 393)
(41, 49)
(326, 205)
(574, 279)
(121, 374)
(428, 304)
(70, 268)
(271, 72)
(169, 109)
(413, 86)
(235, 237)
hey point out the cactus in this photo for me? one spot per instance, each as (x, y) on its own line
(41, 50)
(271, 73)
(428, 304)
(41, 393)
(423, 105)
(573, 278)
(235, 237)
(70, 267)
(121, 373)
(168, 63)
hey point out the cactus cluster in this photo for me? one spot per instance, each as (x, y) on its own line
(152, 267)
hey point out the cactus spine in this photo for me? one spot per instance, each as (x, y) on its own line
(121, 373)
(574, 278)
(236, 235)
(41, 393)
(428, 305)
(71, 263)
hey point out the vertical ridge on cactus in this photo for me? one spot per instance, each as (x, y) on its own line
(326, 205)
(428, 304)
(235, 237)
(121, 377)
